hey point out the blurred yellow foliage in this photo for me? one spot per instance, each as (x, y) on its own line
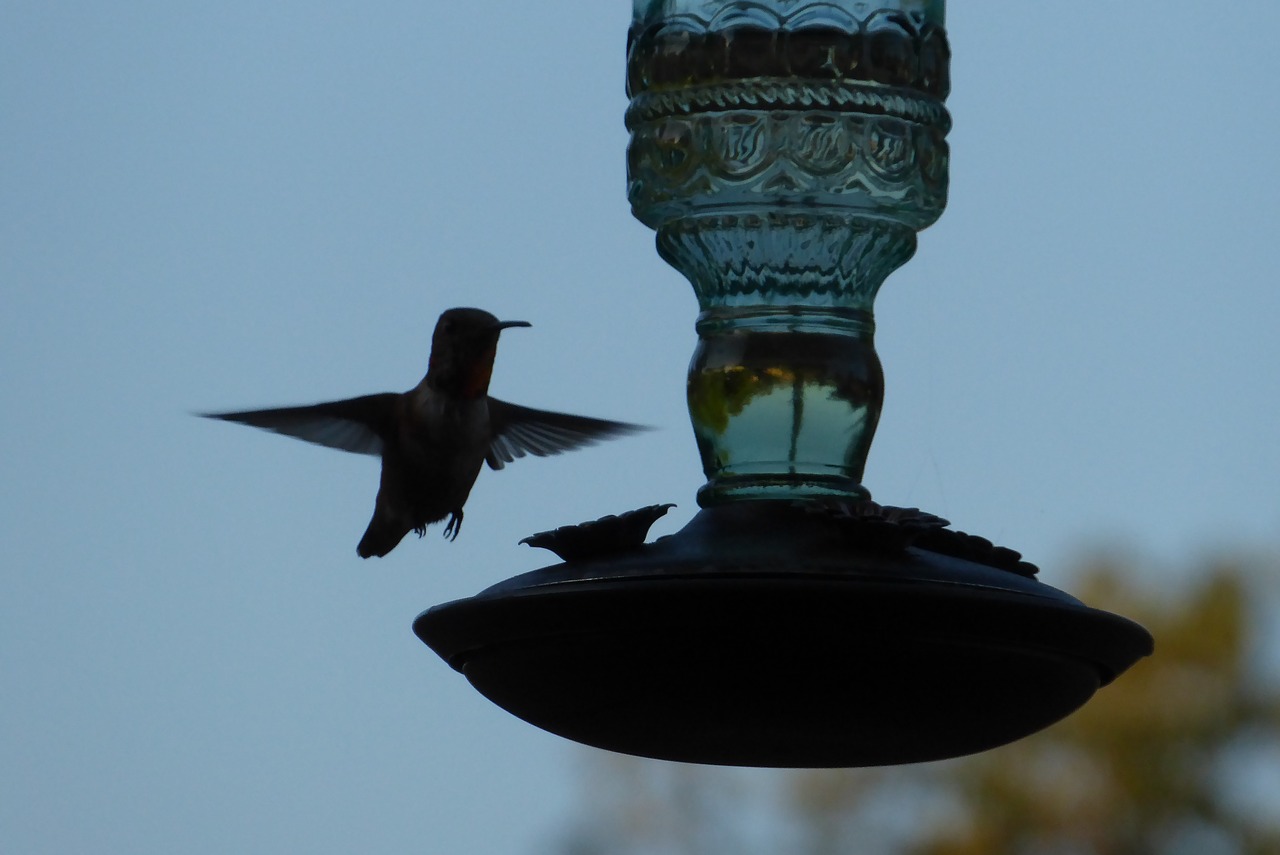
(1141, 763)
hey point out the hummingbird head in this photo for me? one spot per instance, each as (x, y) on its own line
(462, 350)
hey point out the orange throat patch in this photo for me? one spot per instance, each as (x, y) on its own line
(475, 382)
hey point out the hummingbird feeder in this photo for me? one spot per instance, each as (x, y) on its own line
(786, 153)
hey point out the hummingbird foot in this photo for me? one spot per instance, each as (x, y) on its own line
(454, 526)
(420, 530)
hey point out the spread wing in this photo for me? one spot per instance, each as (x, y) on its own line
(358, 425)
(518, 431)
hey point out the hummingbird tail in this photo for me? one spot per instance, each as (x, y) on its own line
(379, 539)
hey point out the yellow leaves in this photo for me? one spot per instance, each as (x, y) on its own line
(1111, 777)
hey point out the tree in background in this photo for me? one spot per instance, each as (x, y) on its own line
(1180, 755)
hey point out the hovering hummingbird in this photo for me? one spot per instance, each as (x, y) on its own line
(433, 438)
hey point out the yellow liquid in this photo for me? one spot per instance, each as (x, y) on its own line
(784, 414)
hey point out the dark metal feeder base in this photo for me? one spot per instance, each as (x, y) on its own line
(762, 635)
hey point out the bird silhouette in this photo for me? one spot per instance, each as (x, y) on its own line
(434, 438)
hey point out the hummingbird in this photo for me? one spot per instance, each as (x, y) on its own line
(434, 438)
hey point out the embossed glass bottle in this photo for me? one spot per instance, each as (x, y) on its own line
(786, 152)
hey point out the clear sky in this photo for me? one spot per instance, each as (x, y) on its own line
(229, 205)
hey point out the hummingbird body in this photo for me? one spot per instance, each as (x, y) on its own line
(434, 439)
(428, 469)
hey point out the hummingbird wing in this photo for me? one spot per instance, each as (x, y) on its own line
(359, 425)
(518, 431)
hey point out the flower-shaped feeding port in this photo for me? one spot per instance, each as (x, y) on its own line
(785, 152)
(607, 536)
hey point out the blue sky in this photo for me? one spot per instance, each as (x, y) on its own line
(244, 204)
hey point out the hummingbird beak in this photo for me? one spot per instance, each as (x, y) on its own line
(502, 325)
